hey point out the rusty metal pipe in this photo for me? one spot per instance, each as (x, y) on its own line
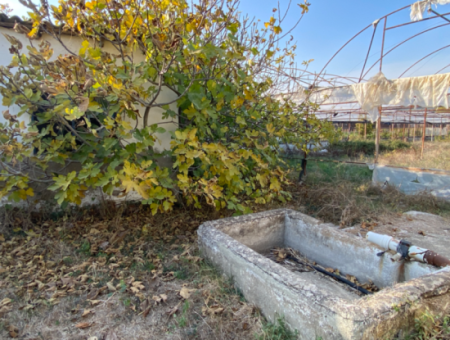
(435, 259)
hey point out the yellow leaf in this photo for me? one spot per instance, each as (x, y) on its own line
(30, 192)
(270, 128)
(277, 30)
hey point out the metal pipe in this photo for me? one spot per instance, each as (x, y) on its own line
(382, 44)
(414, 132)
(368, 52)
(404, 129)
(420, 254)
(424, 130)
(377, 139)
(335, 276)
(442, 48)
(440, 15)
(414, 22)
(404, 41)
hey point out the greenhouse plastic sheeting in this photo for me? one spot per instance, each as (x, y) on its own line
(426, 91)
(418, 8)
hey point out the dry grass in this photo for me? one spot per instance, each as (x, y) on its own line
(344, 195)
(436, 156)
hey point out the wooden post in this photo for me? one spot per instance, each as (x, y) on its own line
(440, 129)
(377, 139)
(432, 132)
(404, 129)
(365, 130)
(350, 124)
(424, 132)
(409, 125)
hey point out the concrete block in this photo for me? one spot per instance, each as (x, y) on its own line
(413, 182)
(317, 307)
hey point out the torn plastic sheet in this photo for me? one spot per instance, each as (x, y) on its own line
(426, 91)
(418, 8)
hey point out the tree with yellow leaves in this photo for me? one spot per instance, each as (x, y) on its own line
(226, 72)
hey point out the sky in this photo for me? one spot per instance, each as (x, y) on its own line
(331, 23)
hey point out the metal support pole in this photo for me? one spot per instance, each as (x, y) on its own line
(377, 139)
(350, 124)
(382, 44)
(432, 132)
(404, 130)
(424, 132)
(409, 125)
(414, 132)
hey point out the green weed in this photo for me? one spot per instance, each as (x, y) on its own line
(277, 331)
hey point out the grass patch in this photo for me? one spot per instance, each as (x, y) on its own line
(343, 194)
(429, 326)
(277, 331)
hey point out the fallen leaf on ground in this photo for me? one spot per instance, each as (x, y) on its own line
(26, 307)
(214, 309)
(92, 294)
(83, 325)
(13, 331)
(111, 286)
(146, 311)
(94, 302)
(157, 299)
(87, 312)
(5, 302)
(185, 293)
(4, 310)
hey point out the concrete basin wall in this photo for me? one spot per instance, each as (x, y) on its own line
(329, 247)
(319, 307)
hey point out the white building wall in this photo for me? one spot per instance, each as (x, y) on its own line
(73, 43)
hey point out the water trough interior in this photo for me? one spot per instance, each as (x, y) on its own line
(329, 247)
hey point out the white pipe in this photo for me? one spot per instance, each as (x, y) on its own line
(384, 241)
(417, 253)
(389, 243)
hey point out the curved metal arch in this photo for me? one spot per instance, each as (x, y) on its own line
(404, 41)
(418, 61)
(356, 35)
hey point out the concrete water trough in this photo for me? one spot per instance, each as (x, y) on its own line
(316, 307)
